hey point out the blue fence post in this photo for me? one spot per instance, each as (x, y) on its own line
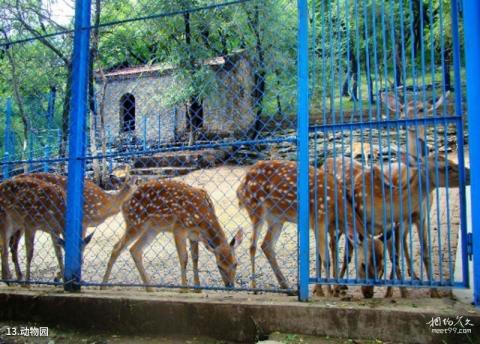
(302, 152)
(7, 138)
(76, 165)
(472, 52)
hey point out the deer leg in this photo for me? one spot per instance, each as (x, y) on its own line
(4, 239)
(180, 242)
(323, 257)
(117, 249)
(395, 269)
(194, 254)
(268, 246)
(389, 292)
(257, 225)
(347, 258)
(137, 254)
(410, 269)
(59, 255)
(333, 250)
(29, 246)
(403, 290)
(425, 249)
(14, 242)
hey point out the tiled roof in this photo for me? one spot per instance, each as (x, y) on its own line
(156, 68)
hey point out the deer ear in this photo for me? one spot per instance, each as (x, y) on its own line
(384, 236)
(352, 240)
(391, 102)
(87, 239)
(439, 101)
(209, 245)
(423, 147)
(60, 241)
(237, 239)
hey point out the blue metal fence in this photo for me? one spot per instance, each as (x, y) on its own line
(472, 52)
(339, 117)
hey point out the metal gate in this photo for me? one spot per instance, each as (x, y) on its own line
(387, 144)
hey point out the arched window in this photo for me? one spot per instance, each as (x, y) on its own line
(127, 113)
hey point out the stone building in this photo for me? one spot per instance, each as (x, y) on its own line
(146, 102)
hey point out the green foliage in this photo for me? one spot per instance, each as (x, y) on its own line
(343, 43)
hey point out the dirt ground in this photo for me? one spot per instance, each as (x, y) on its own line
(161, 260)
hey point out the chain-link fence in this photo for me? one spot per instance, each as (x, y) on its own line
(188, 150)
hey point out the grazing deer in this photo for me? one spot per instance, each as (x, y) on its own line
(448, 172)
(269, 194)
(186, 212)
(29, 205)
(348, 171)
(396, 198)
(98, 206)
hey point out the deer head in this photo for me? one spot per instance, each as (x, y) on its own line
(225, 257)
(411, 110)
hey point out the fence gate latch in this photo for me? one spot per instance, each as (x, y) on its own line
(469, 246)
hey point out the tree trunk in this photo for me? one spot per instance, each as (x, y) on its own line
(398, 66)
(98, 176)
(103, 137)
(66, 114)
(279, 102)
(259, 73)
(93, 148)
(417, 34)
(346, 83)
(446, 71)
(369, 85)
(195, 108)
(354, 95)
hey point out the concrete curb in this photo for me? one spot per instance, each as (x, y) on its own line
(246, 318)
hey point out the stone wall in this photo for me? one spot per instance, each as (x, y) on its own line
(228, 106)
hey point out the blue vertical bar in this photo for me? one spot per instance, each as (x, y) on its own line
(460, 140)
(6, 138)
(472, 54)
(76, 166)
(302, 152)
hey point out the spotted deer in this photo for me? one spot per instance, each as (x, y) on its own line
(98, 206)
(400, 199)
(29, 205)
(448, 172)
(348, 172)
(186, 212)
(269, 194)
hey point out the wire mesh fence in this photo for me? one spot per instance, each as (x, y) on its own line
(190, 143)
